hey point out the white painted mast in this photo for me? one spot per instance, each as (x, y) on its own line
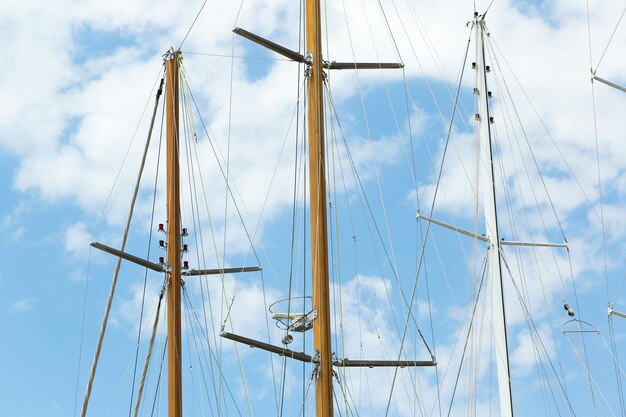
(498, 321)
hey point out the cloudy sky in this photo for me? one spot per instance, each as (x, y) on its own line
(77, 82)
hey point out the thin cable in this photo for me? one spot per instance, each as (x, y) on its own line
(533, 328)
(192, 24)
(596, 142)
(610, 39)
(467, 338)
(149, 353)
(145, 277)
(293, 216)
(158, 383)
(618, 379)
(432, 208)
(568, 167)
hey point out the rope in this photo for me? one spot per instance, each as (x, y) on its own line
(100, 218)
(107, 310)
(148, 354)
(145, 277)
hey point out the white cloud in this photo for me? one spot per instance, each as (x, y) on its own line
(530, 352)
(77, 239)
(23, 305)
(69, 110)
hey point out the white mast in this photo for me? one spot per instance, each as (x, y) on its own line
(498, 321)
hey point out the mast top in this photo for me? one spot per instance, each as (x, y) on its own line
(172, 54)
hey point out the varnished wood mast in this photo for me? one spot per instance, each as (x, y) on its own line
(319, 239)
(175, 405)
(322, 357)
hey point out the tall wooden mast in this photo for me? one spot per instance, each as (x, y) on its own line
(175, 405)
(319, 238)
(320, 316)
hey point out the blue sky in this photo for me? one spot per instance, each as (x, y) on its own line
(77, 77)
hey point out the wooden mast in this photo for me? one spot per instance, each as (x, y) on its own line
(319, 238)
(175, 406)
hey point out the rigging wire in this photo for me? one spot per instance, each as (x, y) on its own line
(438, 62)
(187, 90)
(534, 159)
(412, 159)
(568, 254)
(226, 199)
(619, 21)
(556, 216)
(194, 332)
(99, 221)
(118, 389)
(190, 145)
(156, 392)
(530, 184)
(391, 255)
(199, 239)
(356, 266)
(329, 94)
(601, 203)
(543, 381)
(149, 352)
(145, 278)
(567, 165)
(616, 366)
(333, 203)
(618, 378)
(191, 335)
(469, 331)
(294, 211)
(363, 198)
(211, 350)
(432, 207)
(463, 112)
(192, 24)
(534, 251)
(118, 265)
(220, 168)
(533, 328)
(370, 212)
(597, 154)
(592, 380)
